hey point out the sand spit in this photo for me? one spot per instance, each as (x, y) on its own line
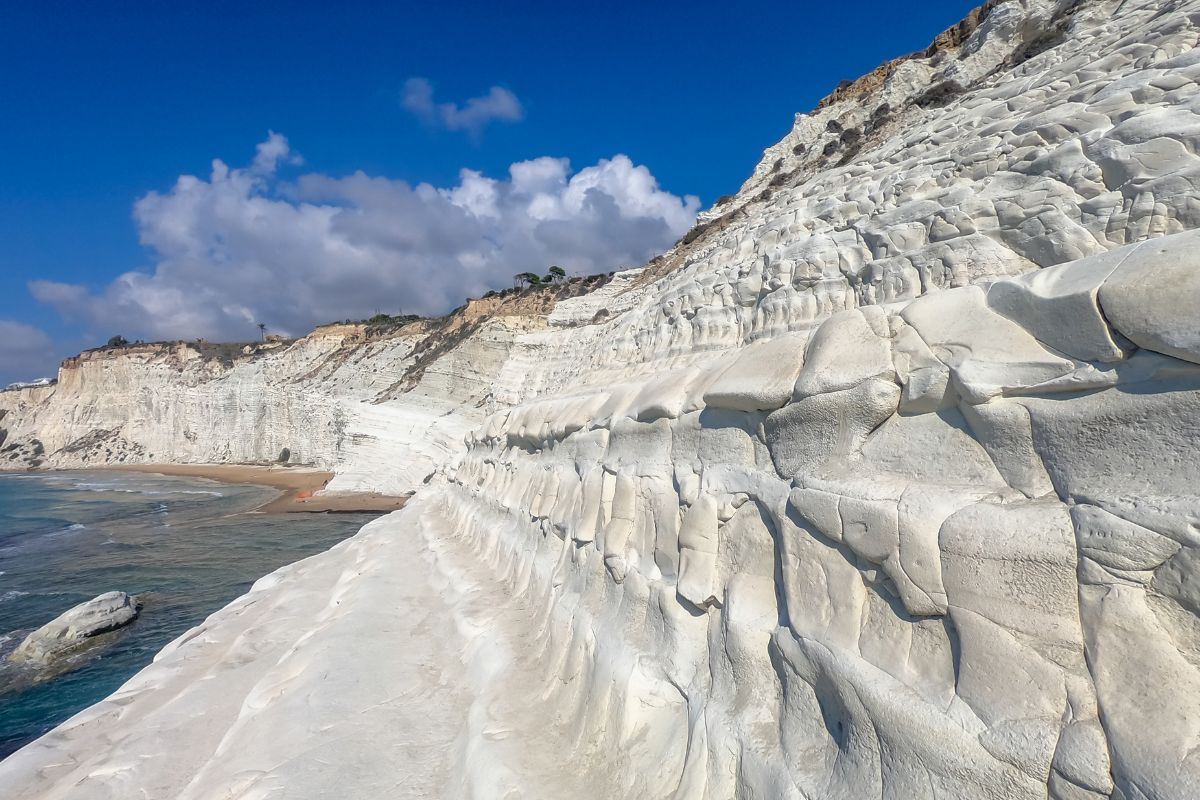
(303, 489)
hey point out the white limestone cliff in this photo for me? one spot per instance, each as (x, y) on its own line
(883, 482)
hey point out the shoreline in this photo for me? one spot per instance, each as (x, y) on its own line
(298, 485)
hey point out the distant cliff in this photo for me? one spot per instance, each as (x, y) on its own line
(381, 405)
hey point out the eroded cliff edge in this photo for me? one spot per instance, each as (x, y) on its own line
(882, 483)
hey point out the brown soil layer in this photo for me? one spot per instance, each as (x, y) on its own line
(298, 485)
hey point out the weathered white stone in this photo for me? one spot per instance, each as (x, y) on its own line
(987, 354)
(1059, 305)
(924, 378)
(844, 352)
(1142, 683)
(763, 376)
(698, 553)
(824, 428)
(70, 632)
(1032, 639)
(1117, 543)
(1135, 302)
(1003, 429)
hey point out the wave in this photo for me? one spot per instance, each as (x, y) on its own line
(12, 594)
(125, 489)
(78, 526)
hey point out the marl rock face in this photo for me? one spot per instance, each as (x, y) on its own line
(882, 483)
(330, 399)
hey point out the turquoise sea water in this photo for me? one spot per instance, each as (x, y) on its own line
(185, 546)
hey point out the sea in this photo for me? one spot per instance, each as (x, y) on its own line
(184, 546)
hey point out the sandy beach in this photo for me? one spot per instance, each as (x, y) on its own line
(298, 485)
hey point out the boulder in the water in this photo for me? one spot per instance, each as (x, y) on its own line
(73, 630)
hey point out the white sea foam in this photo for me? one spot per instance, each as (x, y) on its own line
(126, 489)
(78, 526)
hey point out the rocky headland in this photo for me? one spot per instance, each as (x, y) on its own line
(882, 483)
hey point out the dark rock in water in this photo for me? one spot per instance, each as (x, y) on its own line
(75, 630)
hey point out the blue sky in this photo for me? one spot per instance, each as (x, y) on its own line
(343, 133)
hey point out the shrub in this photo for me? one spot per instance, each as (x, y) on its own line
(528, 278)
(940, 94)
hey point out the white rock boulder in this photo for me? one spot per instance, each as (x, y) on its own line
(72, 631)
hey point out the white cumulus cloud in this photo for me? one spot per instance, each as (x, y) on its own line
(498, 104)
(26, 352)
(245, 246)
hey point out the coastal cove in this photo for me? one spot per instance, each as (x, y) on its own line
(185, 545)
